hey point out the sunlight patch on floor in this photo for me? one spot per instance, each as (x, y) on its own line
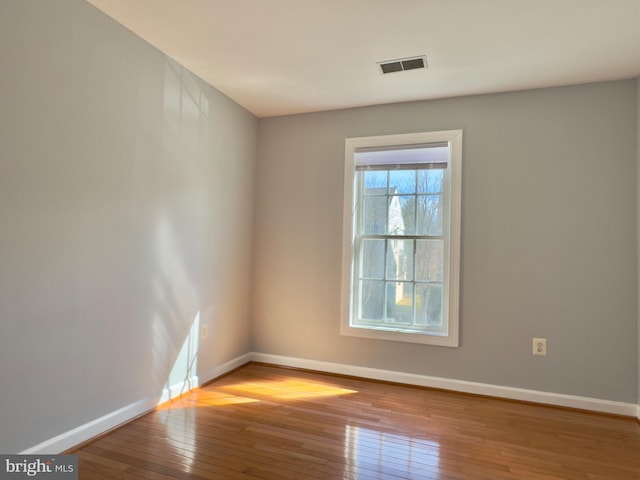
(255, 392)
(206, 398)
(289, 389)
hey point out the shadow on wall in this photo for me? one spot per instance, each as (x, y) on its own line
(182, 219)
(176, 322)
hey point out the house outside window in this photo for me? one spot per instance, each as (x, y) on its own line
(401, 237)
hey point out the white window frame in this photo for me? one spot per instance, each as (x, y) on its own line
(452, 189)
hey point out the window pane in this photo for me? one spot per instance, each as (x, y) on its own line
(429, 260)
(402, 181)
(375, 179)
(375, 213)
(430, 180)
(400, 302)
(396, 222)
(429, 221)
(372, 259)
(371, 300)
(402, 210)
(400, 260)
(429, 305)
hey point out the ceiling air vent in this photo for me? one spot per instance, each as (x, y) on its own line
(403, 64)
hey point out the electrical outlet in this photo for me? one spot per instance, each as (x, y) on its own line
(204, 332)
(539, 346)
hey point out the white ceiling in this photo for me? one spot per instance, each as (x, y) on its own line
(277, 57)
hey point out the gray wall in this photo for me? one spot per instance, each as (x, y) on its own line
(548, 238)
(125, 204)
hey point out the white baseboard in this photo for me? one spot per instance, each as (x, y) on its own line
(89, 430)
(178, 389)
(548, 398)
(225, 368)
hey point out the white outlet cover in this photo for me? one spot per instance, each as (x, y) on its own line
(540, 346)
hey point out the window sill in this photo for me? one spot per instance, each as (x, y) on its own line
(397, 335)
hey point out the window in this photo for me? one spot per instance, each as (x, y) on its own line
(401, 246)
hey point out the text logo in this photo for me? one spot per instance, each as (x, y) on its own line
(52, 467)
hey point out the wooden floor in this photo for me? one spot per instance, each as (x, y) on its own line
(264, 422)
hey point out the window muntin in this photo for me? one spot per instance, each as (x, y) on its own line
(402, 256)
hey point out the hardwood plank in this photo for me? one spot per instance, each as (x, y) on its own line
(272, 423)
